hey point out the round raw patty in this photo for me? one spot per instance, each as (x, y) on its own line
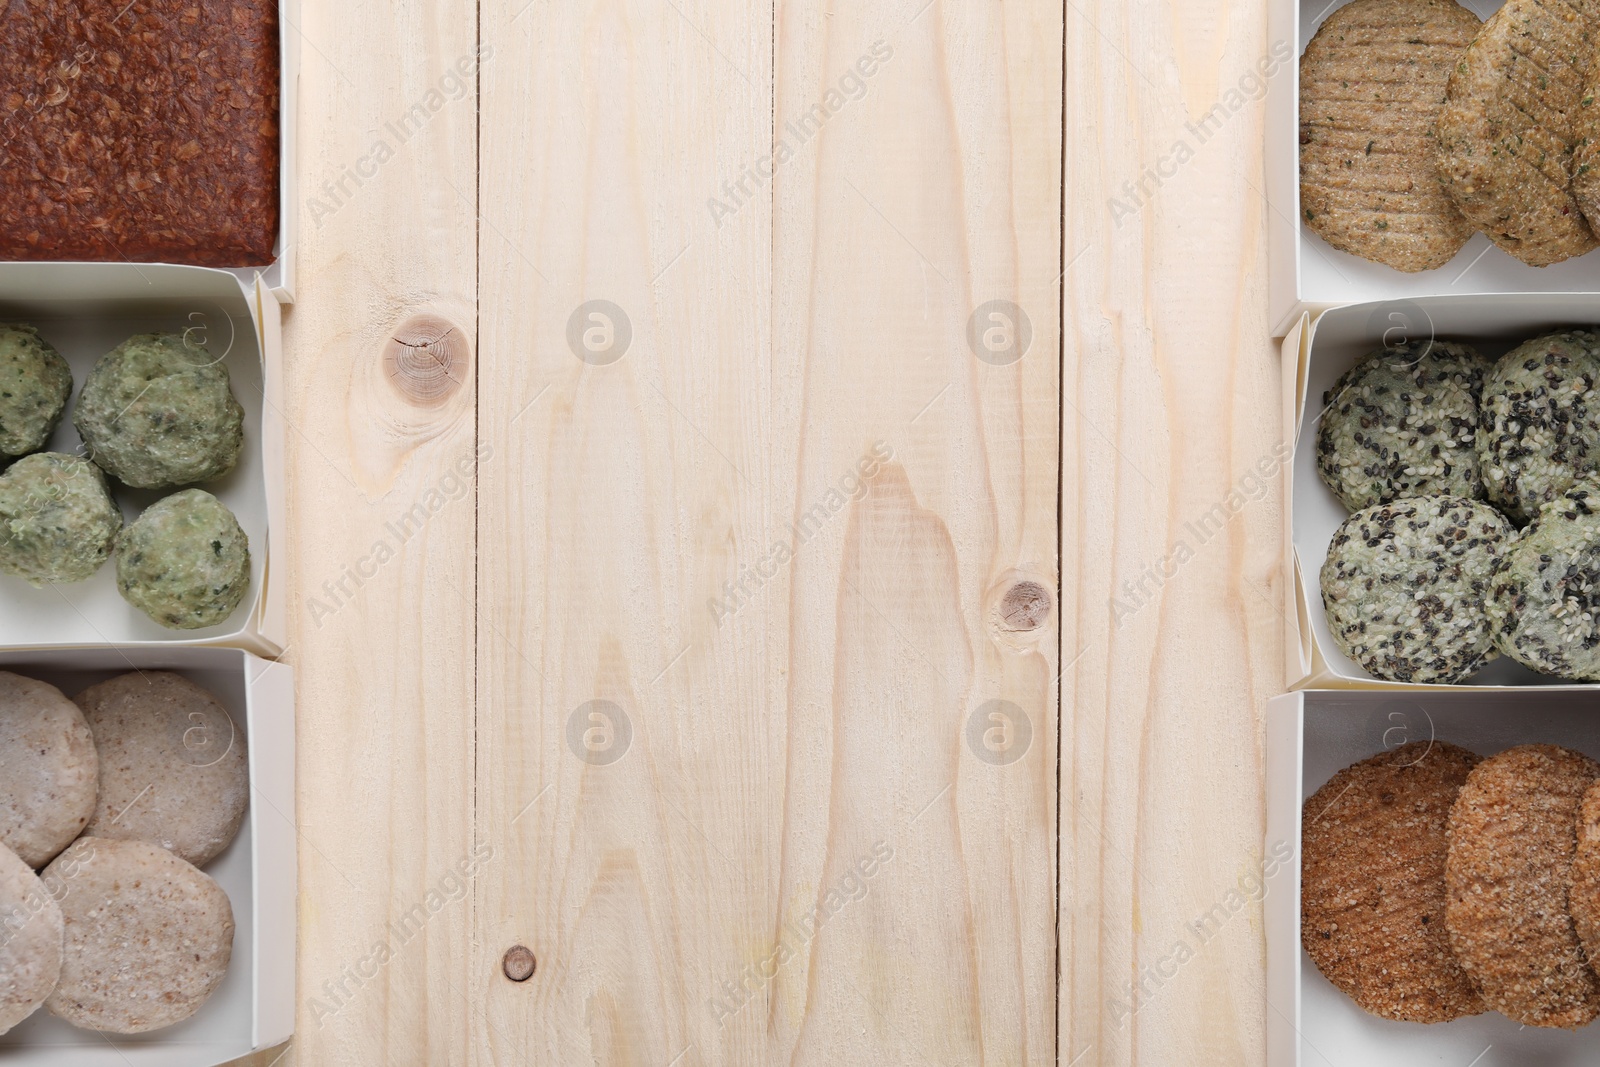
(1539, 421)
(1584, 901)
(148, 936)
(48, 769)
(1544, 596)
(1405, 584)
(1372, 82)
(1372, 890)
(1513, 835)
(30, 941)
(1403, 422)
(173, 769)
(1506, 131)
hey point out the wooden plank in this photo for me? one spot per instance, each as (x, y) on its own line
(635, 465)
(685, 534)
(899, 224)
(382, 528)
(1170, 386)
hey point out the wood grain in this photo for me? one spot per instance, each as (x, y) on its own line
(1169, 389)
(383, 613)
(731, 690)
(940, 177)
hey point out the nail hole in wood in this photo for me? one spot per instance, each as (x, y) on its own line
(1026, 606)
(426, 359)
(519, 963)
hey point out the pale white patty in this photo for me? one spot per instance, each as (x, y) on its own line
(48, 769)
(30, 941)
(173, 768)
(148, 936)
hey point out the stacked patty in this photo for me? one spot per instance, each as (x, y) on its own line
(1437, 885)
(1475, 489)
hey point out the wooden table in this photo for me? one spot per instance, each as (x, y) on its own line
(744, 575)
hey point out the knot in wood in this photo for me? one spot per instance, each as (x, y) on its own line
(518, 963)
(426, 359)
(1025, 606)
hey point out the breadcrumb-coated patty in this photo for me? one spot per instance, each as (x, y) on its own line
(1373, 885)
(1405, 584)
(1512, 838)
(1584, 895)
(1372, 81)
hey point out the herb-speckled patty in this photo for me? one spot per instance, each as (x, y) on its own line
(35, 383)
(1545, 598)
(185, 562)
(57, 520)
(1403, 422)
(1404, 587)
(157, 411)
(1539, 430)
(1372, 82)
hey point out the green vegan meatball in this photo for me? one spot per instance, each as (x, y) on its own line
(57, 520)
(185, 562)
(35, 383)
(157, 411)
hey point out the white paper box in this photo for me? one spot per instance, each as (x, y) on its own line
(1315, 353)
(1308, 274)
(87, 309)
(253, 1008)
(1312, 735)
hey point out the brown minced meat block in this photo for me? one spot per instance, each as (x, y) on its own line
(1372, 891)
(145, 133)
(1371, 84)
(1513, 837)
(1506, 133)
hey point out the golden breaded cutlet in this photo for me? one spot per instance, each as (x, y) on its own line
(1506, 133)
(1372, 82)
(1584, 895)
(1372, 883)
(1513, 837)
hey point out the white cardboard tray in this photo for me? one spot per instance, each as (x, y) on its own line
(1315, 353)
(85, 310)
(1308, 274)
(253, 1009)
(1311, 735)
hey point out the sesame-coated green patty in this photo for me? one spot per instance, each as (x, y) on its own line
(1539, 421)
(1545, 598)
(1405, 583)
(1403, 422)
